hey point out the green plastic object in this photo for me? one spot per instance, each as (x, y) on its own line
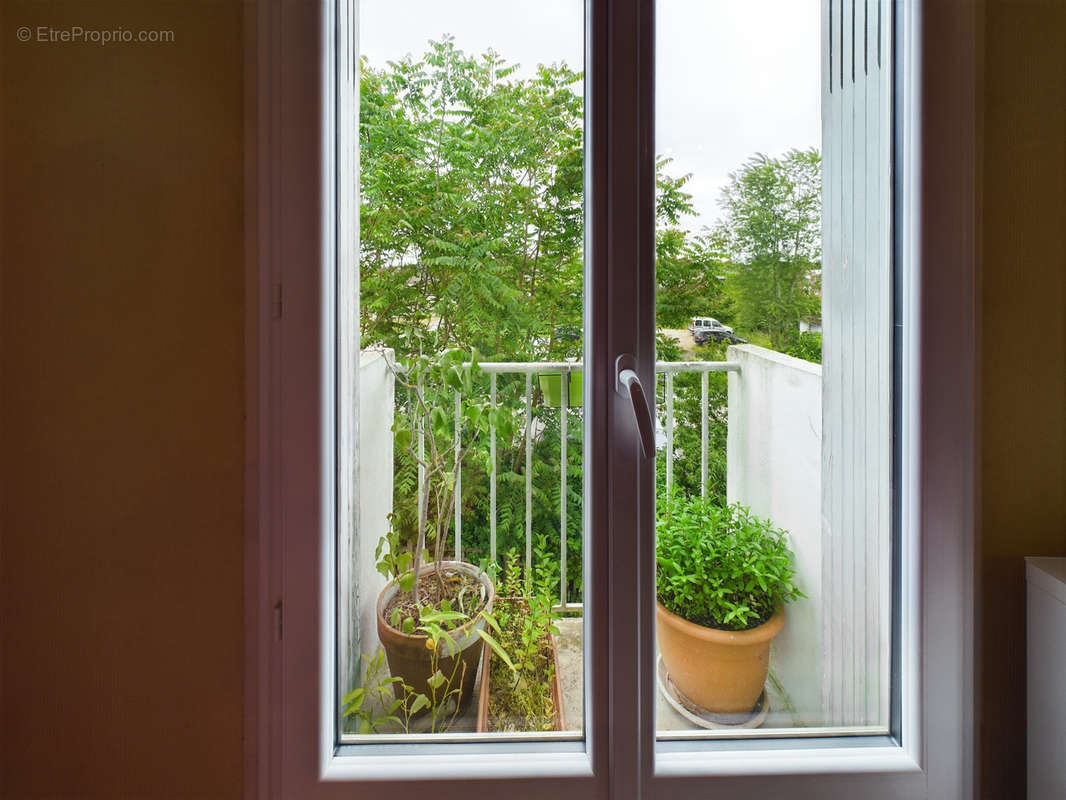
(550, 386)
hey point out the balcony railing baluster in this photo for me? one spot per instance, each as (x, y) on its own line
(669, 431)
(458, 478)
(492, 471)
(421, 454)
(564, 402)
(703, 434)
(529, 479)
(668, 368)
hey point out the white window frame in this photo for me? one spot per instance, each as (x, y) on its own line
(289, 698)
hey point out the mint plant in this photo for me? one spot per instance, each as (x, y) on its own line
(721, 566)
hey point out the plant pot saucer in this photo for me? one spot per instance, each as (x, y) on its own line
(712, 720)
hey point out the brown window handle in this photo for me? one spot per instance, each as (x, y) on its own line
(627, 383)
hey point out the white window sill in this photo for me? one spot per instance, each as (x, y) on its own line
(805, 761)
(472, 766)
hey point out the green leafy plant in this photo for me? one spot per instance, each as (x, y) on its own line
(521, 696)
(441, 419)
(721, 566)
(808, 346)
(386, 702)
(436, 432)
(444, 690)
(381, 702)
(393, 561)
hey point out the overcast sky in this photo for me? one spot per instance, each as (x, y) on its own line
(734, 77)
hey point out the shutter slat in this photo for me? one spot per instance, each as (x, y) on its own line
(856, 368)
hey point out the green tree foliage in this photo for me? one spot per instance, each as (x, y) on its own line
(807, 346)
(772, 230)
(472, 215)
(471, 218)
(688, 267)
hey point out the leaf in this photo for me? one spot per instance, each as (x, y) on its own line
(436, 679)
(354, 698)
(420, 702)
(436, 616)
(449, 644)
(491, 620)
(497, 649)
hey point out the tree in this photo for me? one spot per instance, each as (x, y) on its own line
(772, 231)
(472, 209)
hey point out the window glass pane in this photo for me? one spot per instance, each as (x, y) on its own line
(470, 375)
(775, 495)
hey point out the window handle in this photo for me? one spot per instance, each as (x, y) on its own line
(627, 383)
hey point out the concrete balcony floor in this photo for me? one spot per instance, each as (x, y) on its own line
(571, 671)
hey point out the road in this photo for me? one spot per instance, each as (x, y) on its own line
(684, 338)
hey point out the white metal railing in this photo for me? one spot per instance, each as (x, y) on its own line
(564, 368)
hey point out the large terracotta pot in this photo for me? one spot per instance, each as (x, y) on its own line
(721, 671)
(407, 654)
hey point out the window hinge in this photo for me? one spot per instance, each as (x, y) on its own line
(277, 621)
(275, 301)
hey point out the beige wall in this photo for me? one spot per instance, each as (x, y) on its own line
(1023, 361)
(121, 448)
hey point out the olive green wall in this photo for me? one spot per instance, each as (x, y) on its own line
(122, 401)
(1022, 504)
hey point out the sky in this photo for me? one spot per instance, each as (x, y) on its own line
(733, 77)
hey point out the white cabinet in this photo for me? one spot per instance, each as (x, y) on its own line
(1046, 578)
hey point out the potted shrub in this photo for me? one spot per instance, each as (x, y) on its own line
(723, 577)
(434, 613)
(520, 688)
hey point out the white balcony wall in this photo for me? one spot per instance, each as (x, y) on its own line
(376, 405)
(774, 455)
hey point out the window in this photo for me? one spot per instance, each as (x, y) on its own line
(305, 604)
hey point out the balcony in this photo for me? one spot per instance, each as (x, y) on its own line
(773, 409)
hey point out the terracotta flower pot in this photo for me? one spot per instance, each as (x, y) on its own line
(721, 671)
(407, 654)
